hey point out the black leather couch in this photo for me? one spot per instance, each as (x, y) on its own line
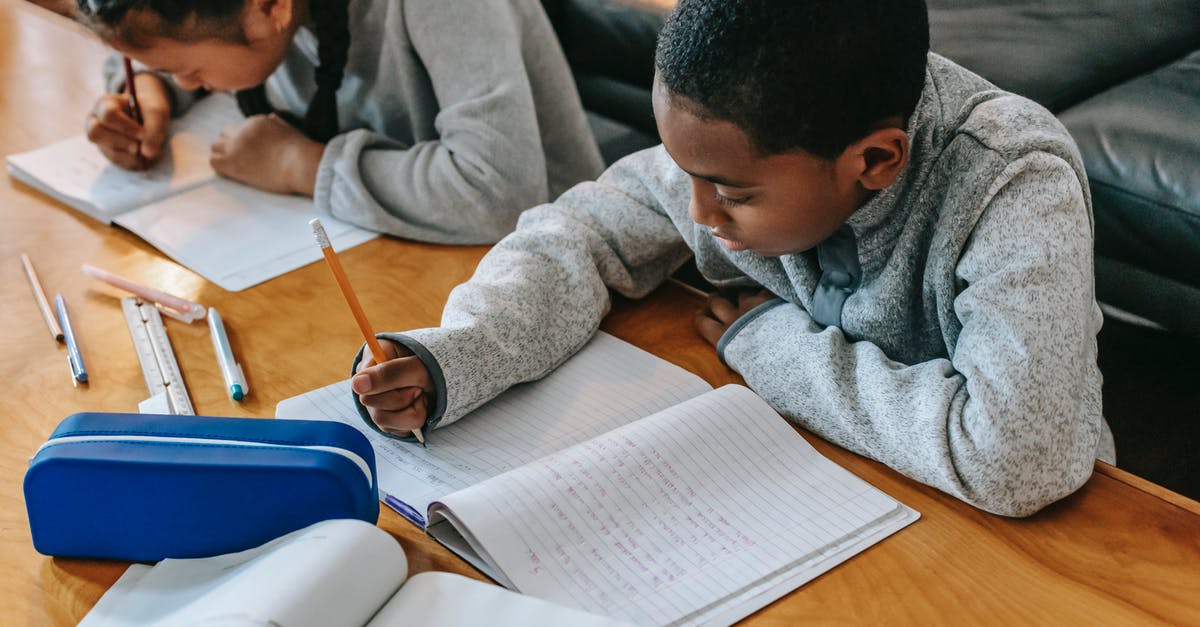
(1123, 75)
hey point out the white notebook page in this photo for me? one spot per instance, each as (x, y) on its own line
(438, 599)
(77, 173)
(237, 236)
(606, 384)
(665, 520)
(334, 573)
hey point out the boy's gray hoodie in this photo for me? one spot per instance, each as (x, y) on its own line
(966, 352)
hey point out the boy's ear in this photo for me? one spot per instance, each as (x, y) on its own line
(265, 18)
(879, 157)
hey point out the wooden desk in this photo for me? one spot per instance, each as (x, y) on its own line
(1118, 551)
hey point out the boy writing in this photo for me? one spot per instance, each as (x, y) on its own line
(907, 253)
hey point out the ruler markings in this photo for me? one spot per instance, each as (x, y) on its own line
(157, 358)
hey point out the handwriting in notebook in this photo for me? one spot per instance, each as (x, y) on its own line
(700, 512)
(669, 512)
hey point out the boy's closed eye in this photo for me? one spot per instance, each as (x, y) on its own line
(730, 201)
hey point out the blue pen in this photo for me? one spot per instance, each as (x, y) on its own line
(74, 357)
(235, 379)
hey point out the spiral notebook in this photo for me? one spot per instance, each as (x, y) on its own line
(625, 486)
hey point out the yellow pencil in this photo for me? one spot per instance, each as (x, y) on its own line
(339, 275)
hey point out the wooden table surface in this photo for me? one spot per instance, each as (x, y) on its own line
(1119, 551)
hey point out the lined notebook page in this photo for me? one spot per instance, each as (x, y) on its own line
(77, 173)
(607, 384)
(671, 519)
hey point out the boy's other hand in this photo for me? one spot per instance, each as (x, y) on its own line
(117, 134)
(715, 318)
(397, 392)
(266, 152)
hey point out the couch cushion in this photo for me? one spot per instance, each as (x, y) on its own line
(617, 140)
(610, 46)
(1057, 53)
(1062, 51)
(1141, 147)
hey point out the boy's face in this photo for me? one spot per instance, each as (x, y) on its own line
(773, 205)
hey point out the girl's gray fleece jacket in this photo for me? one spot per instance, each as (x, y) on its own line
(965, 357)
(457, 116)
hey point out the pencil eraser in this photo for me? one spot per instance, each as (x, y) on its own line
(319, 232)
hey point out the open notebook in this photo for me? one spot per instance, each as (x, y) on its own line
(231, 234)
(335, 573)
(624, 486)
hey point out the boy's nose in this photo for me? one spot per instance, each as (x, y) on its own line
(704, 210)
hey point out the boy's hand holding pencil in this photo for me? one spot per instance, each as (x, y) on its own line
(396, 392)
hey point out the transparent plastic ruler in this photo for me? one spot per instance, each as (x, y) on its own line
(167, 392)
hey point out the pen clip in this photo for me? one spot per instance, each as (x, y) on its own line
(169, 305)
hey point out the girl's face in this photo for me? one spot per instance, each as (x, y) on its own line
(210, 63)
(238, 55)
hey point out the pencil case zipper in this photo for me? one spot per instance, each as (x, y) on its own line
(356, 459)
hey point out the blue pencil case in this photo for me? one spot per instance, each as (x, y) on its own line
(143, 487)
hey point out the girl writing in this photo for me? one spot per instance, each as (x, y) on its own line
(435, 120)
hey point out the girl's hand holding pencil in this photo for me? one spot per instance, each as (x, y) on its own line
(111, 125)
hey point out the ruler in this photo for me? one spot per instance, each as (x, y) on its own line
(167, 392)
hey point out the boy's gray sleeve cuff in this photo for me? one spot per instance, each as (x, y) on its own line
(741, 323)
(435, 374)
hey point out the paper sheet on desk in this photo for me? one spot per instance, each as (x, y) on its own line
(236, 236)
(336, 573)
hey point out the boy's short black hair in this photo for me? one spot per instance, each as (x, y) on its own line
(812, 75)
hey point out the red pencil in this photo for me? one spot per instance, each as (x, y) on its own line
(134, 109)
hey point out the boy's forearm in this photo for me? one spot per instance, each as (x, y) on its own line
(929, 421)
(540, 294)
